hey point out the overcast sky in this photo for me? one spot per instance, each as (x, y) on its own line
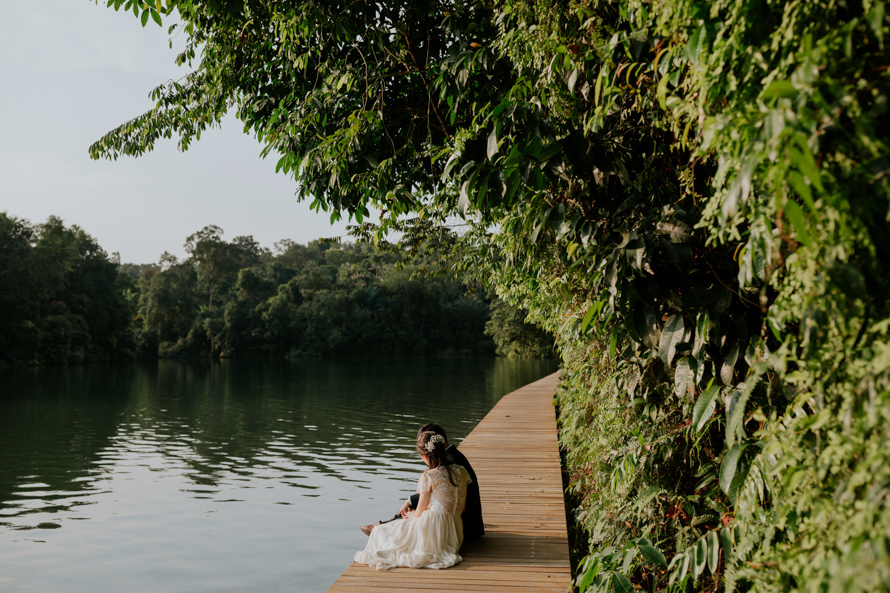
(69, 72)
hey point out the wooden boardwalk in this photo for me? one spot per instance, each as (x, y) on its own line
(525, 547)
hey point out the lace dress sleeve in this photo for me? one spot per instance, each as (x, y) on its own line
(424, 484)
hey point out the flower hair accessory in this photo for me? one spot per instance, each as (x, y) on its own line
(431, 444)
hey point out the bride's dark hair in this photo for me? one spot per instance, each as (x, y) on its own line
(433, 427)
(433, 445)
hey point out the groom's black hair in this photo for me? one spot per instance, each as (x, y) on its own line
(432, 427)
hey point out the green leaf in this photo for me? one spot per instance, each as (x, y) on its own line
(282, 163)
(735, 405)
(778, 89)
(613, 342)
(645, 324)
(802, 158)
(463, 202)
(550, 151)
(801, 188)
(513, 183)
(729, 466)
(492, 144)
(713, 551)
(650, 552)
(587, 317)
(795, 215)
(726, 369)
(621, 584)
(702, 329)
(674, 568)
(630, 555)
(684, 377)
(694, 45)
(483, 189)
(598, 86)
(705, 406)
(701, 558)
(661, 92)
(533, 148)
(573, 80)
(671, 335)
(738, 481)
(156, 16)
(726, 541)
(449, 165)
(684, 566)
(538, 227)
(586, 578)
(145, 15)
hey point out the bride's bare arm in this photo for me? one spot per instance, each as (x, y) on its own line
(423, 503)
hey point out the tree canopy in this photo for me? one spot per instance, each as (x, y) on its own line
(63, 300)
(234, 298)
(61, 297)
(692, 195)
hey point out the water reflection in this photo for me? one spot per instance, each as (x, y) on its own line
(227, 476)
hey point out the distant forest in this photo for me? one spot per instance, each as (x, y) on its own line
(63, 299)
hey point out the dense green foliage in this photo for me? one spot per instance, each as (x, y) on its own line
(726, 342)
(61, 298)
(322, 299)
(691, 195)
(63, 301)
(514, 336)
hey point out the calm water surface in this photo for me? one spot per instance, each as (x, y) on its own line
(232, 476)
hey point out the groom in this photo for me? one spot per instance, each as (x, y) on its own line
(472, 515)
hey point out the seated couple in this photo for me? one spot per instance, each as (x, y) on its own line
(429, 529)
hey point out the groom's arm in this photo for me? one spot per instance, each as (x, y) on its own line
(409, 505)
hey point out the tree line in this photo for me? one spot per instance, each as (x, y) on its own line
(61, 296)
(63, 299)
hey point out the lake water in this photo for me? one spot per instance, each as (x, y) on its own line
(232, 476)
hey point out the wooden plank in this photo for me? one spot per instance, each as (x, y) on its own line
(515, 454)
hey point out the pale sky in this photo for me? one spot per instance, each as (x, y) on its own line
(71, 70)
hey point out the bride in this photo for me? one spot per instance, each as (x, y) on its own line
(431, 535)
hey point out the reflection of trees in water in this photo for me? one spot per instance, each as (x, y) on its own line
(54, 422)
(231, 424)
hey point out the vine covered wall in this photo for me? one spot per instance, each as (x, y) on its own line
(718, 286)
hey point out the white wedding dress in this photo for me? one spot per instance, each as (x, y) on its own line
(430, 540)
